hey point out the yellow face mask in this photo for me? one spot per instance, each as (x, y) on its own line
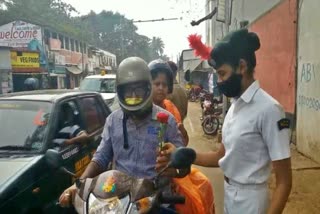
(133, 100)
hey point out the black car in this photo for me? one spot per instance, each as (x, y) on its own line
(31, 123)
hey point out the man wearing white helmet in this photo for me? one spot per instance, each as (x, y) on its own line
(130, 135)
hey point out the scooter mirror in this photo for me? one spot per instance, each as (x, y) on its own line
(182, 158)
(53, 159)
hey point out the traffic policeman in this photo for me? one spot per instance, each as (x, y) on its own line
(255, 132)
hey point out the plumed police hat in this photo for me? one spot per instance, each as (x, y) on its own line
(236, 45)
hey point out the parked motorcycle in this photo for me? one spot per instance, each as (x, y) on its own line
(205, 102)
(210, 124)
(210, 115)
(202, 96)
(116, 192)
(194, 93)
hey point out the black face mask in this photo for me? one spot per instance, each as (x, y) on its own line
(232, 86)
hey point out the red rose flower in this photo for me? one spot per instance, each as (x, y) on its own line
(162, 117)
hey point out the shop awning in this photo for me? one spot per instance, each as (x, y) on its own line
(74, 69)
(191, 65)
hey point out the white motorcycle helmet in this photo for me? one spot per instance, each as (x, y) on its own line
(134, 70)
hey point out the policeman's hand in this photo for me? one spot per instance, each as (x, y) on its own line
(67, 196)
(164, 156)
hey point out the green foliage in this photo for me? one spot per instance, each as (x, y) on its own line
(107, 30)
(53, 14)
(115, 33)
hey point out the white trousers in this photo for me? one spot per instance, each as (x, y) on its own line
(245, 199)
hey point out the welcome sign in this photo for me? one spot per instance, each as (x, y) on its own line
(19, 34)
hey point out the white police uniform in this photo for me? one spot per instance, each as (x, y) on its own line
(255, 132)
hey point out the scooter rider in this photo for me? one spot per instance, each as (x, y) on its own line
(31, 84)
(130, 135)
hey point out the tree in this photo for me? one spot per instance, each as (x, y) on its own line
(112, 32)
(107, 30)
(2, 3)
(54, 14)
(117, 34)
(62, 8)
(157, 49)
(157, 46)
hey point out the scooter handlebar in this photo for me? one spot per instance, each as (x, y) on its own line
(173, 199)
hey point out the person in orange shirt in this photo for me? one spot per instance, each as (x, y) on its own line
(178, 96)
(162, 85)
(196, 187)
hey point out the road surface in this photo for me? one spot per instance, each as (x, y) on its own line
(202, 142)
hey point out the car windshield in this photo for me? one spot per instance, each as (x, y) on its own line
(98, 85)
(23, 124)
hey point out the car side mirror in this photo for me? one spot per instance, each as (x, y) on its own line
(53, 159)
(68, 131)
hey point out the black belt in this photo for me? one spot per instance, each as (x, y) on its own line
(255, 186)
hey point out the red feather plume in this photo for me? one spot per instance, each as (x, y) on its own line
(200, 49)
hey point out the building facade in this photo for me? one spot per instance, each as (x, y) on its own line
(56, 59)
(308, 78)
(287, 62)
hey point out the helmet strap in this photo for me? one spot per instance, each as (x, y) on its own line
(125, 132)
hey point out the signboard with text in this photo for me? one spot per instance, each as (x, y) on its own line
(24, 59)
(19, 34)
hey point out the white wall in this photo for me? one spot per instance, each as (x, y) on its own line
(308, 80)
(5, 59)
(241, 10)
(249, 10)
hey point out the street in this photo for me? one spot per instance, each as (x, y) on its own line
(54, 54)
(305, 193)
(201, 142)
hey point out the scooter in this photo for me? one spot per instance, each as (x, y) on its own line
(116, 192)
(210, 116)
